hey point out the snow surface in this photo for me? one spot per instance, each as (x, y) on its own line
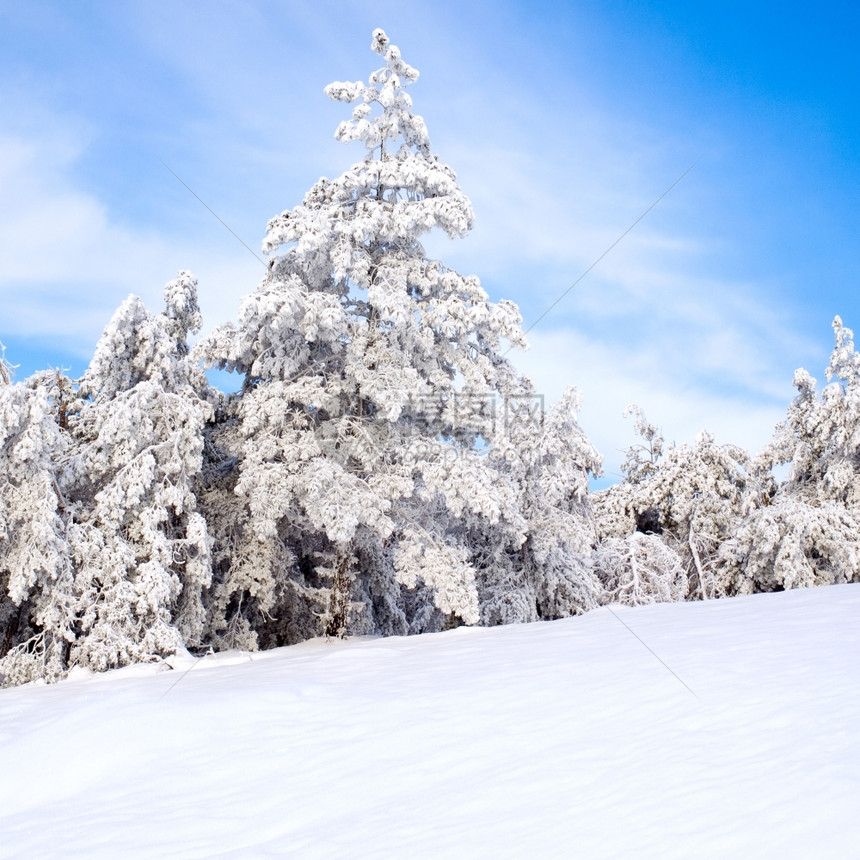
(566, 738)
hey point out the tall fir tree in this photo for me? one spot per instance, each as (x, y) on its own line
(371, 377)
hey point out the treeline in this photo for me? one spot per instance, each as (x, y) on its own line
(382, 468)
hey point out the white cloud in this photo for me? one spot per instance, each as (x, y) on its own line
(68, 262)
(654, 323)
(612, 378)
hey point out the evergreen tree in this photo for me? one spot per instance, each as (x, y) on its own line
(138, 542)
(37, 602)
(689, 497)
(807, 531)
(546, 573)
(371, 376)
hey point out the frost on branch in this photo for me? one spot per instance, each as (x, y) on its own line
(734, 528)
(640, 569)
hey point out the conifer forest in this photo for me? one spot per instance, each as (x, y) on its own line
(382, 467)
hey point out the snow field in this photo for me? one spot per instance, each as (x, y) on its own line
(565, 738)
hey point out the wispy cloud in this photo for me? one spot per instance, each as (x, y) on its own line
(611, 378)
(67, 262)
(701, 314)
(655, 322)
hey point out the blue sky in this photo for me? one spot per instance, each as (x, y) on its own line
(564, 123)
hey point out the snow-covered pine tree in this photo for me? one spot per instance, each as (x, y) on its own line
(820, 437)
(37, 602)
(690, 497)
(807, 532)
(618, 510)
(371, 374)
(548, 459)
(138, 542)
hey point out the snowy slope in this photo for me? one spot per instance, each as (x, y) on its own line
(556, 739)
